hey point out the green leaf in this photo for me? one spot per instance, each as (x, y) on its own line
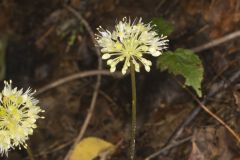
(183, 62)
(162, 26)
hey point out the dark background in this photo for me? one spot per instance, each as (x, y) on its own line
(38, 48)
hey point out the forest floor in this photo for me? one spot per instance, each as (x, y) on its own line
(46, 45)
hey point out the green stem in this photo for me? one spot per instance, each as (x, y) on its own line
(134, 113)
(29, 152)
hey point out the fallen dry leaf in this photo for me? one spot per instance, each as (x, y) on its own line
(90, 148)
(210, 143)
(196, 154)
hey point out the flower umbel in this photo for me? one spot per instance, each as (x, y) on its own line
(18, 115)
(129, 42)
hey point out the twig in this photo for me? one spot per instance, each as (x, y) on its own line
(212, 114)
(108, 98)
(220, 73)
(235, 135)
(175, 144)
(44, 36)
(179, 130)
(217, 42)
(159, 5)
(52, 150)
(72, 77)
(97, 86)
(213, 91)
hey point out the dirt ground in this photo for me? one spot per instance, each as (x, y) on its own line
(45, 42)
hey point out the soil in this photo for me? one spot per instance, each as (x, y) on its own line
(39, 50)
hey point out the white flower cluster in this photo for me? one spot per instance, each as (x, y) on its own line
(128, 42)
(18, 115)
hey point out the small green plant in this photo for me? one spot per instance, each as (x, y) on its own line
(129, 43)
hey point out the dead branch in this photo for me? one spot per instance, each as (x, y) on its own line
(73, 77)
(217, 42)
(175, 144)
(97, 86)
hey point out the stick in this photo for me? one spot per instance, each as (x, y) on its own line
(217, 42)
(97, 86)
(169, 147)
(72, 77)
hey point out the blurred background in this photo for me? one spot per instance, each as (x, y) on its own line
(44, 44)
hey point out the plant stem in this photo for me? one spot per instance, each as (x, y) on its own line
(29, 152)
(134, 113)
